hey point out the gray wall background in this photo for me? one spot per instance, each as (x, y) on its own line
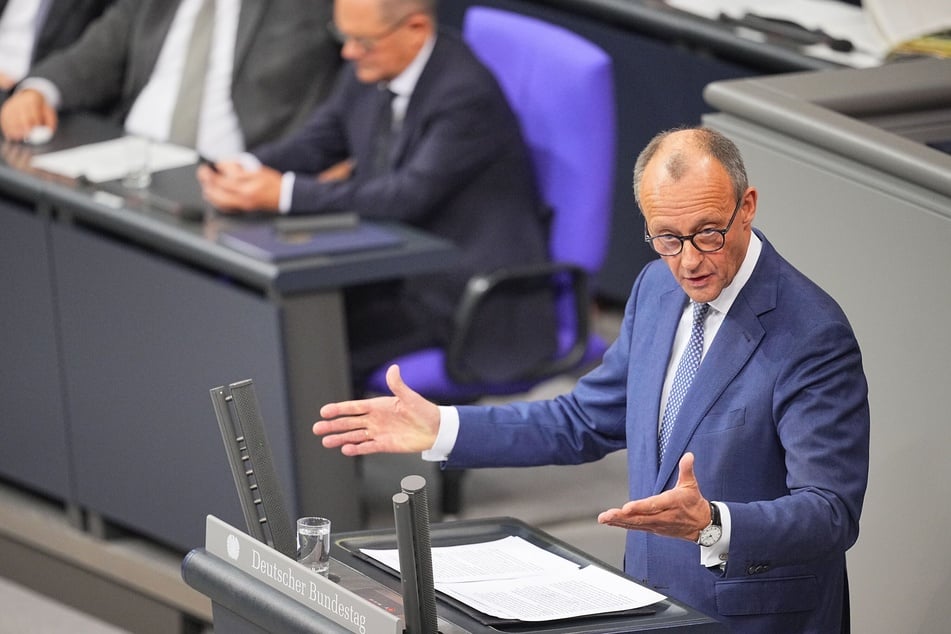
(880, 246)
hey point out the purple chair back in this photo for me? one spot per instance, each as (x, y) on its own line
(561, 87)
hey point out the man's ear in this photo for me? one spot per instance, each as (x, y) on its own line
(750, 200)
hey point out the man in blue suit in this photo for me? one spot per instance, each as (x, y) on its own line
(748, 511)
(416, 130)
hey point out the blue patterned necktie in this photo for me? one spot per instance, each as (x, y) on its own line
(686, 370)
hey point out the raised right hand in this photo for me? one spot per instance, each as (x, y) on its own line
(402, 423)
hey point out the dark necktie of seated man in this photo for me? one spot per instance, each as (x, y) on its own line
(384, 134)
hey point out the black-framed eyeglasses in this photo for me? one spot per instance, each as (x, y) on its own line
(367, 43)
(705, 241)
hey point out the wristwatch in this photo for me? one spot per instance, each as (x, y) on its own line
(714, 530)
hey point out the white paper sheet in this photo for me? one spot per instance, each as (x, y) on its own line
(512, 578)
(109, 160)
(909, 19)
(504, 558)
(581, 592)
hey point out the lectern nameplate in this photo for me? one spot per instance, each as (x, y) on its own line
(296, 581)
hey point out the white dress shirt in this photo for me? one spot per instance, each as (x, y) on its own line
(219, 133)
(19, 25)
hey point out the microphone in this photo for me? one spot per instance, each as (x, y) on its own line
(789, 30)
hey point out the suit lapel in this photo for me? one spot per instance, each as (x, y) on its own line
(148, 30)
(651, 342)
(249, 17)
(54, 17)
(49, 19)
(738, 338)
(736, 341)
(415, 109)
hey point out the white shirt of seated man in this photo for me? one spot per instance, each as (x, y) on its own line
(19, 25)
(219, 133)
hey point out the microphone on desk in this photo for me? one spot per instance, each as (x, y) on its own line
(789, 30)
(411, 512)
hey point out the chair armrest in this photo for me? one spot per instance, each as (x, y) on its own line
(486, 345)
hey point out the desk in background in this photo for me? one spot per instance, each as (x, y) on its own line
(118, 320)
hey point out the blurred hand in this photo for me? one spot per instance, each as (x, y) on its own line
(339, 172)
(6, 82)
(402, 423)
(23, 111)
(20, 157)
(680, 512)
(16, 155)
(234, 189)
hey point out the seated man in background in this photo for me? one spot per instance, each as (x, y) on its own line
(416, 130)
(32, 29)
(268, 64)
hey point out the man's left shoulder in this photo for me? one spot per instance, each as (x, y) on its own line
(791, 286)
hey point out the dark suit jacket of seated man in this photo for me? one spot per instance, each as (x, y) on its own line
(56, 25)
(459, 169)
(284, 64)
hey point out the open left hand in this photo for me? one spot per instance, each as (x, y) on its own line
(680, 512)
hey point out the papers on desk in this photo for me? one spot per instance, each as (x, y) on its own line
(905, 23)
(837, 19)
(109, 160)
(511, 578)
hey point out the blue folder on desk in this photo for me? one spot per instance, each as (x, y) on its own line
(267, 242)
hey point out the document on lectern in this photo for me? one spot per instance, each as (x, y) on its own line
(511, 578)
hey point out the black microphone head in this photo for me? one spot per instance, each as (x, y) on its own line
(837, 44)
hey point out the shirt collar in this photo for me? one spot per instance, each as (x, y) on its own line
(404, 84)
(728, 295)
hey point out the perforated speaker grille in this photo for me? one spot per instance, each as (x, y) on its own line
(257, 466)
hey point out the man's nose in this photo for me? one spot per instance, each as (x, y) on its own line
(351, 50)
(690, 256)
